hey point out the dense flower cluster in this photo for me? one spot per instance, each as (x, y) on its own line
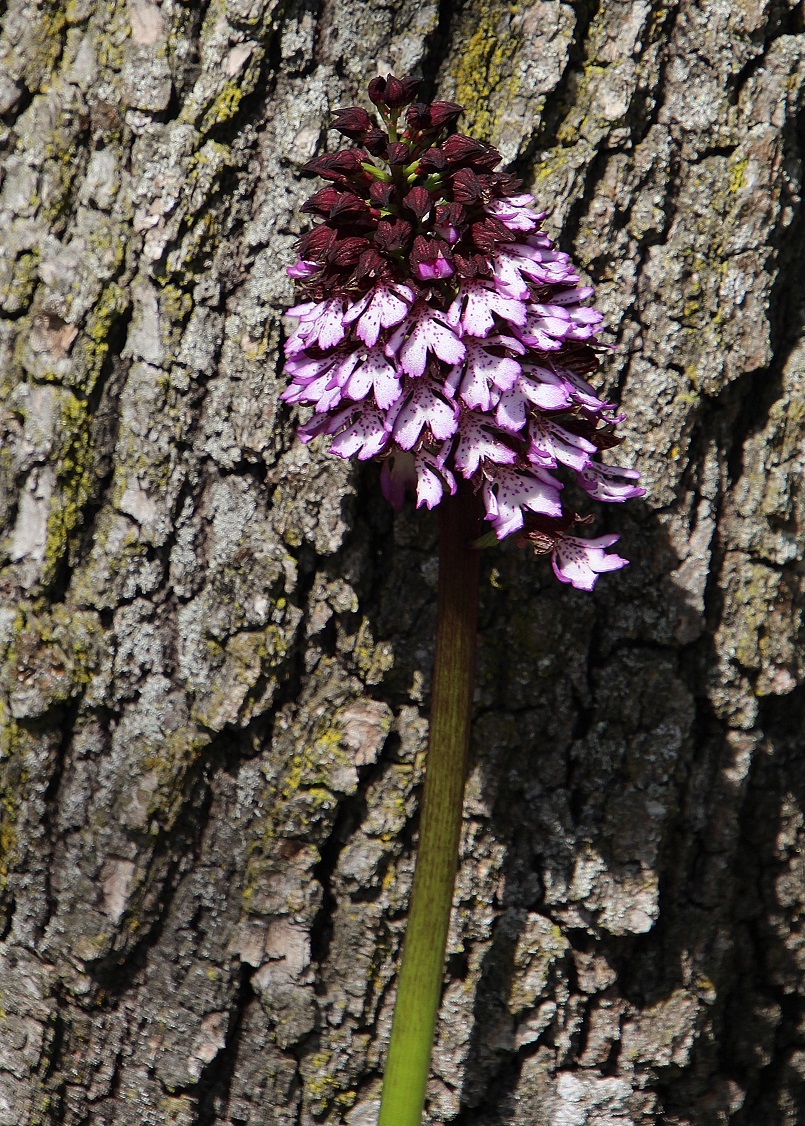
(443, 333)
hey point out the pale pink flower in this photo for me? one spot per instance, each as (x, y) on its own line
(484, 372)
(382, 307)
(475, 305)
(423, 331)
(421, 404)
(581, 561)
(610, 483)
(507, 492)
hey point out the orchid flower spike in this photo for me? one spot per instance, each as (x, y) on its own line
(442, 333)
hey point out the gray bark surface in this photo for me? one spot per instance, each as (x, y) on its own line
(215, 643)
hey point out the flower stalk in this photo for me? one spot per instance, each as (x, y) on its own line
(420, 977)
(442, 333)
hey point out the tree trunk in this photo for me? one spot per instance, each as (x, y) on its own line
(216, 642)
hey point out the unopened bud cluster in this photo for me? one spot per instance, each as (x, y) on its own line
(442, 333)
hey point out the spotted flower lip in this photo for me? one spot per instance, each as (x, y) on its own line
(581, 561)
(440, 331)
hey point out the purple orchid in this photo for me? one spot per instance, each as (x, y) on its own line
(581, 561)
(441, 332)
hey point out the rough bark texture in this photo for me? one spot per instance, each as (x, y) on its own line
(216, 643)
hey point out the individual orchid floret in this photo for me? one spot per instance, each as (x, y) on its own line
(476, 441)
(374, 372)
(486, 373)
(516, 212)
(475, 307)
(508, 492)
(581, 561)
(552, 445)
(432, 478)
(441, 332)
(421, 404)
(425, 330)
(535, 387)
(382, 307)
(302, 269)
(431, 259)
(610, 483)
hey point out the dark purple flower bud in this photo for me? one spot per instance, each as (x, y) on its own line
(444, 114)
(432, 161)
(437, 115)
(392, 237)
(418, 116)
(487, 233)
(372, 265)
(430, 259)
(459, 149)
(501, 183)
(419, 201)
(376, 142)
(400, 92)
(467, 187)
(399, 153)
(346, 251)
(381, 193)
(471, 265)
(314, 245)
(376, 90)
(349, 207)
(393, 92)
(338, 166)
(322, 202)
(353, 122)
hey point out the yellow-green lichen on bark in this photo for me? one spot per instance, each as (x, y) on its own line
(93, 345)
(485, 67)
(43, 43)
(74, 464)
(16, 294)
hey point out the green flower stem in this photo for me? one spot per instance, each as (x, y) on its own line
(420, 978)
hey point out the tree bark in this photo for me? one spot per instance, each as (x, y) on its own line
(216, 643)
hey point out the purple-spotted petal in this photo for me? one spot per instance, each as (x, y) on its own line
(536, 387)
(475, 305)
(579, 390)
(552, 443)
(364, 436)
(307, 310)
(485, 372)
(476, 442)
(421, 405)
(516, 212)
(382, 307)
(572, 296)
(375, 372)
(507, 492)
(432, 476)
(610, 483)
(579, 561)
(543, 388)
(422, 332)
(320, 323)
